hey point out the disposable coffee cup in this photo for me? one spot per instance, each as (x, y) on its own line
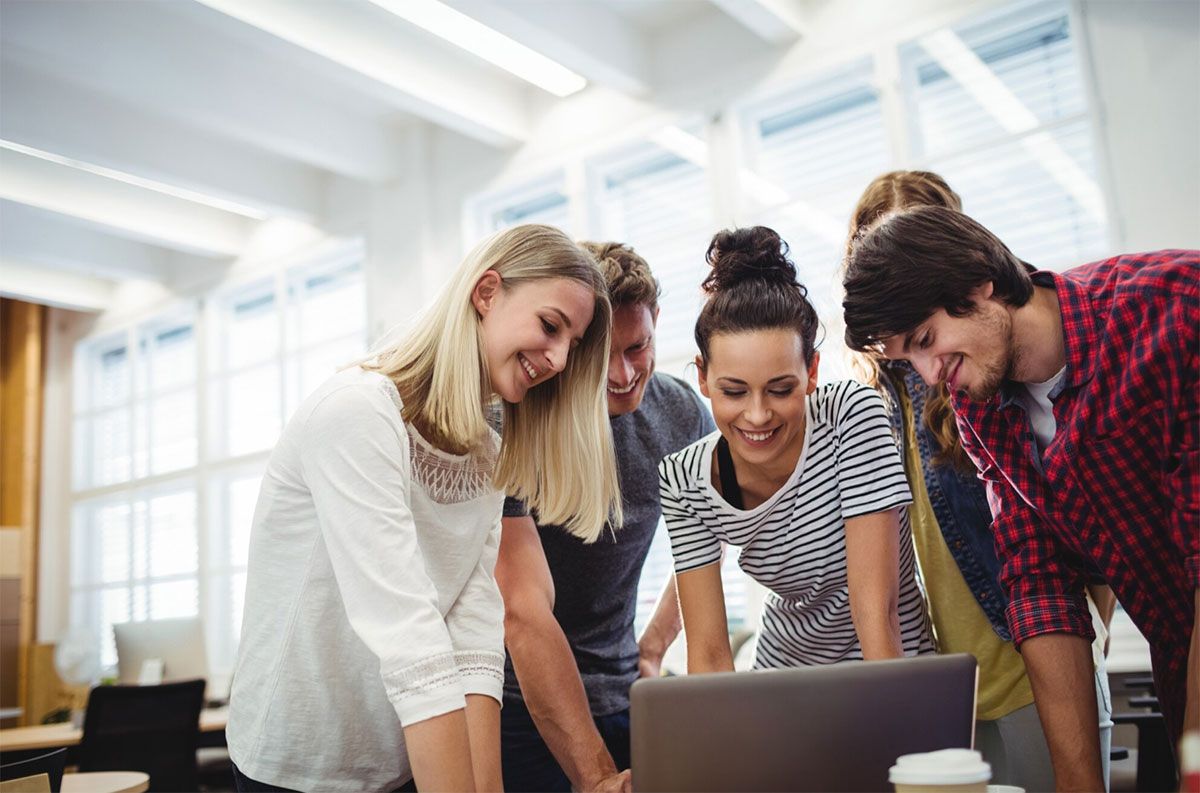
(944, 771)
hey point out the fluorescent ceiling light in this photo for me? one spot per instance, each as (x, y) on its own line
(138, 181)
(969, 71)
(461, 30)
(763, 190)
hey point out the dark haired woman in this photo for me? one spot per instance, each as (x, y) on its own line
(805, 480)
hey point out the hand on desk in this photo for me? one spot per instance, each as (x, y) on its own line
(617, 783)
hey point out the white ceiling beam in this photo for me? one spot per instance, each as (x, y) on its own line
(33, 235)
(166, 57)
(60, 117)
(35, 284)
(380, 55)
(587, 38)
(127, 209)
(774, 21)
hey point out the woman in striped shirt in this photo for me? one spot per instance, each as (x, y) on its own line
(805, 480)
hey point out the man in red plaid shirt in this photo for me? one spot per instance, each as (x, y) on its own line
(1078, 398)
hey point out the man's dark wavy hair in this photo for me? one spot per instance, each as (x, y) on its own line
(906, 266)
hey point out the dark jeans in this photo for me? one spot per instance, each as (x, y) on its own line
(245, 784)
(528, 763)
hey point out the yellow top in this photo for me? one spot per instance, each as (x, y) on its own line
(959, 624)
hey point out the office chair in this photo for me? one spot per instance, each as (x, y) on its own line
(153, 729)
(49, 763)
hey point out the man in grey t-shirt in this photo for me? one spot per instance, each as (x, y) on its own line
(569, 607)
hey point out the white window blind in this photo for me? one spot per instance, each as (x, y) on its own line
(655, 197)
(999, 109)
(161, 522)
(134, 557)
(996, 104)
(811, 152)
(543, 201)
(657, 201)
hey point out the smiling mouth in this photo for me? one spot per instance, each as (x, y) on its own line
(757, 438)
(953, 377)
(530, 370)
(627, 389)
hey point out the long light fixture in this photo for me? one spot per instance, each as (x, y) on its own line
(969, 71)
(462, 31)
(138, 181)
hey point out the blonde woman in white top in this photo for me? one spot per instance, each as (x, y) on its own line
(372, 644)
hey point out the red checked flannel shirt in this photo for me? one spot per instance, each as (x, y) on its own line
(1117, 492)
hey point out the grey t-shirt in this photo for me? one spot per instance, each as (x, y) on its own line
(596, 585)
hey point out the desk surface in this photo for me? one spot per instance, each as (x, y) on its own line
(106, 782)
(52, 736)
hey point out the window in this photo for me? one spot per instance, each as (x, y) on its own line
(998, 108)
(136, 415)
(135, 557)
(996, 104)
(543, 201)
(655, 197)
(161, 522)
(810, 154)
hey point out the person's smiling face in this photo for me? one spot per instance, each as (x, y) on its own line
(757, 381)
(530, 329)
(630, 357)
(973, 353)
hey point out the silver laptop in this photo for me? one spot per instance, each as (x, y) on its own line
(833, 728)
(173, 648)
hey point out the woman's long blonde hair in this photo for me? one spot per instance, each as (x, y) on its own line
(556, 452)
(888, 193)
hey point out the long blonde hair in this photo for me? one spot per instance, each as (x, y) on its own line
(887, 193)
(556, 452)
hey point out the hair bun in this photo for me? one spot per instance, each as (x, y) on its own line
(749, 254)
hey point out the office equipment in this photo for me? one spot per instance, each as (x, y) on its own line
(161, 651)
(153, 729)
(832, 728)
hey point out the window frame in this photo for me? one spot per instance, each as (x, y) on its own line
(214, 467)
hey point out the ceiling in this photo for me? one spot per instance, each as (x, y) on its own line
(150, 140)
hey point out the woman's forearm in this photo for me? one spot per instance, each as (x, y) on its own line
(879, 634)
(711, 656)
(439, 750)
(483, 729)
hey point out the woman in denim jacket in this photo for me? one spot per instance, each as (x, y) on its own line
(951, 524)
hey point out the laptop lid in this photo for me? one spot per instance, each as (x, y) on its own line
(832, 728)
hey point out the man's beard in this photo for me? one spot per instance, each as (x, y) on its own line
(993, 374)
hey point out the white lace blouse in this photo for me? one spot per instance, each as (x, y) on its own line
(370, 597)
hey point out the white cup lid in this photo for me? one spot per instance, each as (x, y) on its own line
(943, 767)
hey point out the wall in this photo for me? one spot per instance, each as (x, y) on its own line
(1145, 58)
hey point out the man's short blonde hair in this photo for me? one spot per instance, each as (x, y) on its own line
(628, 276)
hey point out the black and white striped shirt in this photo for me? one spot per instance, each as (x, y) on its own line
(794, 543)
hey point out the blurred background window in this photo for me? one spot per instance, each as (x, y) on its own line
(158, 528)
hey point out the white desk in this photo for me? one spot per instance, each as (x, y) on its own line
(106, 782)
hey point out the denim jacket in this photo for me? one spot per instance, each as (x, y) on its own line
(959, 501)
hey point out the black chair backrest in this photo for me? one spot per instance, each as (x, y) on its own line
(50, 763)
(153, 729)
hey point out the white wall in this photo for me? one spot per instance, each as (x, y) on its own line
(1145, 58)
